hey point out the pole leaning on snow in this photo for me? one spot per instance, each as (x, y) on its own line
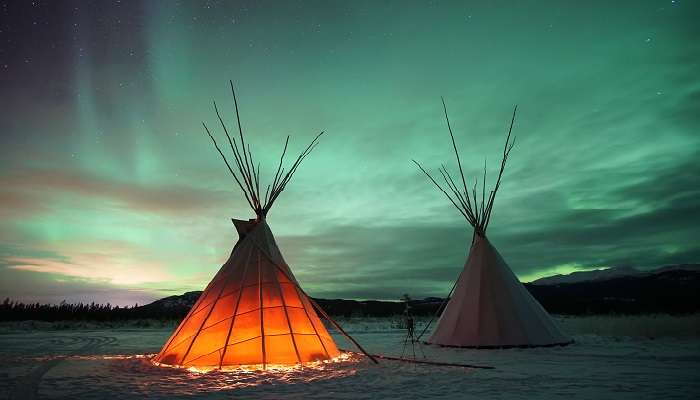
(326, 316)
(338, 327)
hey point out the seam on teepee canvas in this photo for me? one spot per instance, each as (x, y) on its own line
(174, 346)
(301, 295)
(325, 350)
(286, 270)
(500, 260)
(481, 295)
(184, 358)
(170, 345)
(223, 277)
(190, 313)
(262, 317)
(174, 335)
(204, 355)
(286, 314)
(457, 323)
(496, 305)
(235, 310)
(246, 340)
(213, 351)
(256, 242)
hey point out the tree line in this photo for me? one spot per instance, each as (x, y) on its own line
(18, 311)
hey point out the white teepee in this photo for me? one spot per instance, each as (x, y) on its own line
(488, 306)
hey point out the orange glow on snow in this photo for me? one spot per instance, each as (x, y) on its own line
(317, 365)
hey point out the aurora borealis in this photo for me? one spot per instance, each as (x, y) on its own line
(109, 190)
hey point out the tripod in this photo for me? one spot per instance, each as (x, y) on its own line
(410, 332)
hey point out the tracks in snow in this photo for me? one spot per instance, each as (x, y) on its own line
(27, 387)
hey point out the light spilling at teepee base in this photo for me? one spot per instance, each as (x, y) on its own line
(487, 307)
(253, 313)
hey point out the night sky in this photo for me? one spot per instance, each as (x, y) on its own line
(110, 191)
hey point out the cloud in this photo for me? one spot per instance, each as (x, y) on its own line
(30, 286)
(15, 204)
(424, 256)
(118, 263)
(118, 272)
(28, 188)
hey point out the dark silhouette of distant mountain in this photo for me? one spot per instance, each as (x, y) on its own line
(584, 276)
(609, 273)
(177, 302)
(671, 289)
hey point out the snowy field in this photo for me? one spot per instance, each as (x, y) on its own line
(613, 358)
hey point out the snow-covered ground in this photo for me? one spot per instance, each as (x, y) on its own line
(608, 360)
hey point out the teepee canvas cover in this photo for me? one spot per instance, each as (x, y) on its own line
(253, 312)
(488, 306)
(491, 308)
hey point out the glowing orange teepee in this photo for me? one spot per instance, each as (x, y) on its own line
(253, 312)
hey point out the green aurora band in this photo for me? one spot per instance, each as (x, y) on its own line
(110, 191)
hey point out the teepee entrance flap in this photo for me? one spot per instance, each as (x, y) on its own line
(243, 227)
